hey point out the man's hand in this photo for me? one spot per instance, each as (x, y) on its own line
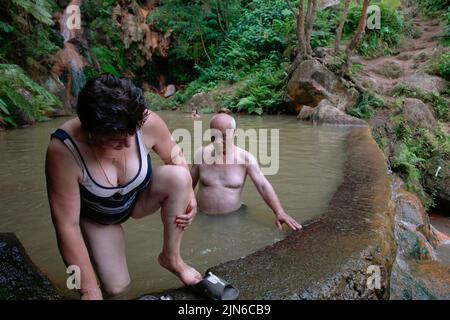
(285, 218)
(183, 221)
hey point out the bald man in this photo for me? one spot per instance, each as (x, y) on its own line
(221, 169)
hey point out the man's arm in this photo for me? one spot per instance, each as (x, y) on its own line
(269, 195)
(62, 173)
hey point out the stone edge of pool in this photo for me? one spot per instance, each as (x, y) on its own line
(330, 257)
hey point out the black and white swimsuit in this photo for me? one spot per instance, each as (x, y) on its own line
(109, 205)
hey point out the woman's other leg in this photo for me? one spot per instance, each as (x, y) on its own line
(106, 246)
(170, 190)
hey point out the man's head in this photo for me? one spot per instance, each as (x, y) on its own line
(109, 106)
(223, 128)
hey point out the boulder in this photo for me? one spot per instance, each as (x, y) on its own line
(389, 69)
(327, 113)
(170, 91)
(416, 273)
(306, 113)
(20, 279)
(423, 82)
(311, 82)
(418, 115)
(438, 174)
(201, 100)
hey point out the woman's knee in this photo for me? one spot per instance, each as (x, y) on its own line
(115, 290)
(177, 177)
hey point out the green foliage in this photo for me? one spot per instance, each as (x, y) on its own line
(367, 106)
(251, 51)
(39, 9)
(437, 100)
(198, 26)
(432, 7)
(263, 91)
(415, 150)
(155, 102)
(21, 96)
(26, 33)
(444, 66)
(327, 21)
(110, 60)
(383, 40)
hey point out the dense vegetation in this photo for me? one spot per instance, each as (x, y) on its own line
(28, 41)
(258, 47)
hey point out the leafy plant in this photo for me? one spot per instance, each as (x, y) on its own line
(20, 96)
(367, 106)
(437, 100)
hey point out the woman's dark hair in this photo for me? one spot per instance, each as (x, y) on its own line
(109, 105)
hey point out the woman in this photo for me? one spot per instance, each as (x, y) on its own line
(194, 114)
(99, 174)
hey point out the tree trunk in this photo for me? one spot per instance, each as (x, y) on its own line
(219, 16)
(311, 17)
(341, 26)
(357, 37)
(203, 45)
(301, 30)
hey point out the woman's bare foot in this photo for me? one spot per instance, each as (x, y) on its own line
(187, 274)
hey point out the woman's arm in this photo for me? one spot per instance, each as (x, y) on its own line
(159, 138)
(62, 174)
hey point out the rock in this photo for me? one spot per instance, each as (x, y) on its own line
(442, 181)
(404, 56)
(423, 82)
(170, 91)
(416, 274)
(326, 113)
(311, 82)
(389, 69)
(201, 100)
(306, 113)
(418, 114)
(20, 279)
(420, 280)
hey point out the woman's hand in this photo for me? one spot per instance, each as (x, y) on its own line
(91, 294)
(183, 221)
(285, 218)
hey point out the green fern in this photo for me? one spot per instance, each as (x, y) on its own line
(38, 9)
(20, 93)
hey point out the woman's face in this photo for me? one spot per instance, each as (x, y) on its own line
(116, 142)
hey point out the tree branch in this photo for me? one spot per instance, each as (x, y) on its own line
(292, 8)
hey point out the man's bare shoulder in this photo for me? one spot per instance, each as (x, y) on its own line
(247, 157)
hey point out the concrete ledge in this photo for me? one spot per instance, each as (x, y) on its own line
(329, 258)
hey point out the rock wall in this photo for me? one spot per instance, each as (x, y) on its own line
(416, 273)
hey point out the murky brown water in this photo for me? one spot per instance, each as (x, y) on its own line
(311, 160)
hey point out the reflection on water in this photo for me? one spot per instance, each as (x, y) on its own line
(311, 160)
